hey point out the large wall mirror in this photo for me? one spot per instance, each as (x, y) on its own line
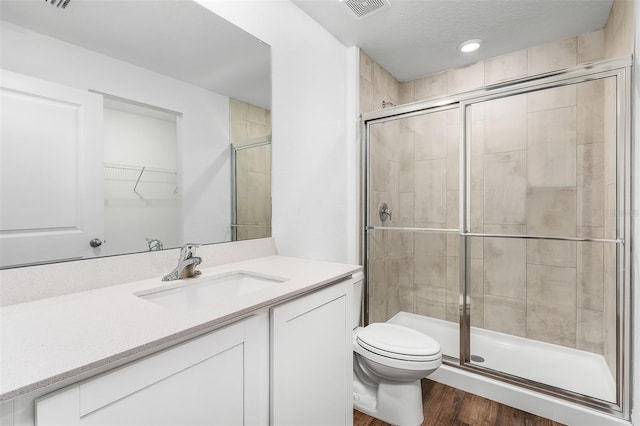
(129, 126)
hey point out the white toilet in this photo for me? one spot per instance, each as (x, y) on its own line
(388, 362)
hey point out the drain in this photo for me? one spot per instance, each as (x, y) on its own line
(477, 358)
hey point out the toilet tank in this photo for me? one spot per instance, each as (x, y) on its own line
(358, 278)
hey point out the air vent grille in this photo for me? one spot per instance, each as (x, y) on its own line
(362, 8)
(58, 3)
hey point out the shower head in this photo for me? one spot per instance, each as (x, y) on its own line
(58, 3)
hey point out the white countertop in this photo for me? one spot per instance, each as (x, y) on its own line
(51, 341)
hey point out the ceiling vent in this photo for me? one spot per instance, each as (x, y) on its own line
(363, 8)
(59, 3)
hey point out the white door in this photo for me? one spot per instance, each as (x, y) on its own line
(51, 178)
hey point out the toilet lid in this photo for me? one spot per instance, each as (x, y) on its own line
(398, 340)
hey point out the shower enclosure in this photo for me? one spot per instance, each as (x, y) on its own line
(251, 190)
(495, 222)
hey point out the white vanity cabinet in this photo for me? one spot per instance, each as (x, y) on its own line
(312, 360)
(220, 378)
(287, 365)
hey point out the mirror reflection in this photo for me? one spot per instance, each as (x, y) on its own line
(117, 121)
(140, 178)
(251, 171)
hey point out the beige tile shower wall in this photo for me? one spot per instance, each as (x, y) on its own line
(249, 123)
(619, 31)
(376, 85)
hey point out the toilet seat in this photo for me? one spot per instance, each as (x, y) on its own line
(398, 342)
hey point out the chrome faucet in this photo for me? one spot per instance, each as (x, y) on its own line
(187, 264)
(154, 244)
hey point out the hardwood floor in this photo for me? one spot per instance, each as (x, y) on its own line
(447, 406)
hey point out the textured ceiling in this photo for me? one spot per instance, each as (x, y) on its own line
(413, 38)
(177, 38)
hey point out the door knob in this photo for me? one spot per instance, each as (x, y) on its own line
(96, 242)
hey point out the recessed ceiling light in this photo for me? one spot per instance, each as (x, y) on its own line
(470, 45)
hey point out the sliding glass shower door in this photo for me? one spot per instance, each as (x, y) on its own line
(542, 196)
(413, 213)
(515, 262)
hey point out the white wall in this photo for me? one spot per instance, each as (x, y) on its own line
(203, 128)
(354, 153)
(314, 171)
(635, 248)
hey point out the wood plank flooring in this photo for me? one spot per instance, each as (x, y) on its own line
(447, 406)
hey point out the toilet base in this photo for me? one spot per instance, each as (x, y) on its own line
(398, 403)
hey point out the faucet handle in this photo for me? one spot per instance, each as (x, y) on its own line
(188, 250)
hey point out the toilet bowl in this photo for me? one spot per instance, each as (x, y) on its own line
(389, 361)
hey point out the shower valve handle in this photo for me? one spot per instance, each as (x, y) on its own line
(384, 212)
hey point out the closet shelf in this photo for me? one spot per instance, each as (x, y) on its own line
(137, 168)
(134, 173)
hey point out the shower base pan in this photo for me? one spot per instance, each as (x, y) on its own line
(575, 370)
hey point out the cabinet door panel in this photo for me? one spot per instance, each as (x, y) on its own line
(193, 396)
(60, 408)
(132, 378)
(312, 359)
(210, 380)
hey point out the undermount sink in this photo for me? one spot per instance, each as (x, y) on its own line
(207, 292)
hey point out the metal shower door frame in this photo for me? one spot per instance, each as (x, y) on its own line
(619, 69)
